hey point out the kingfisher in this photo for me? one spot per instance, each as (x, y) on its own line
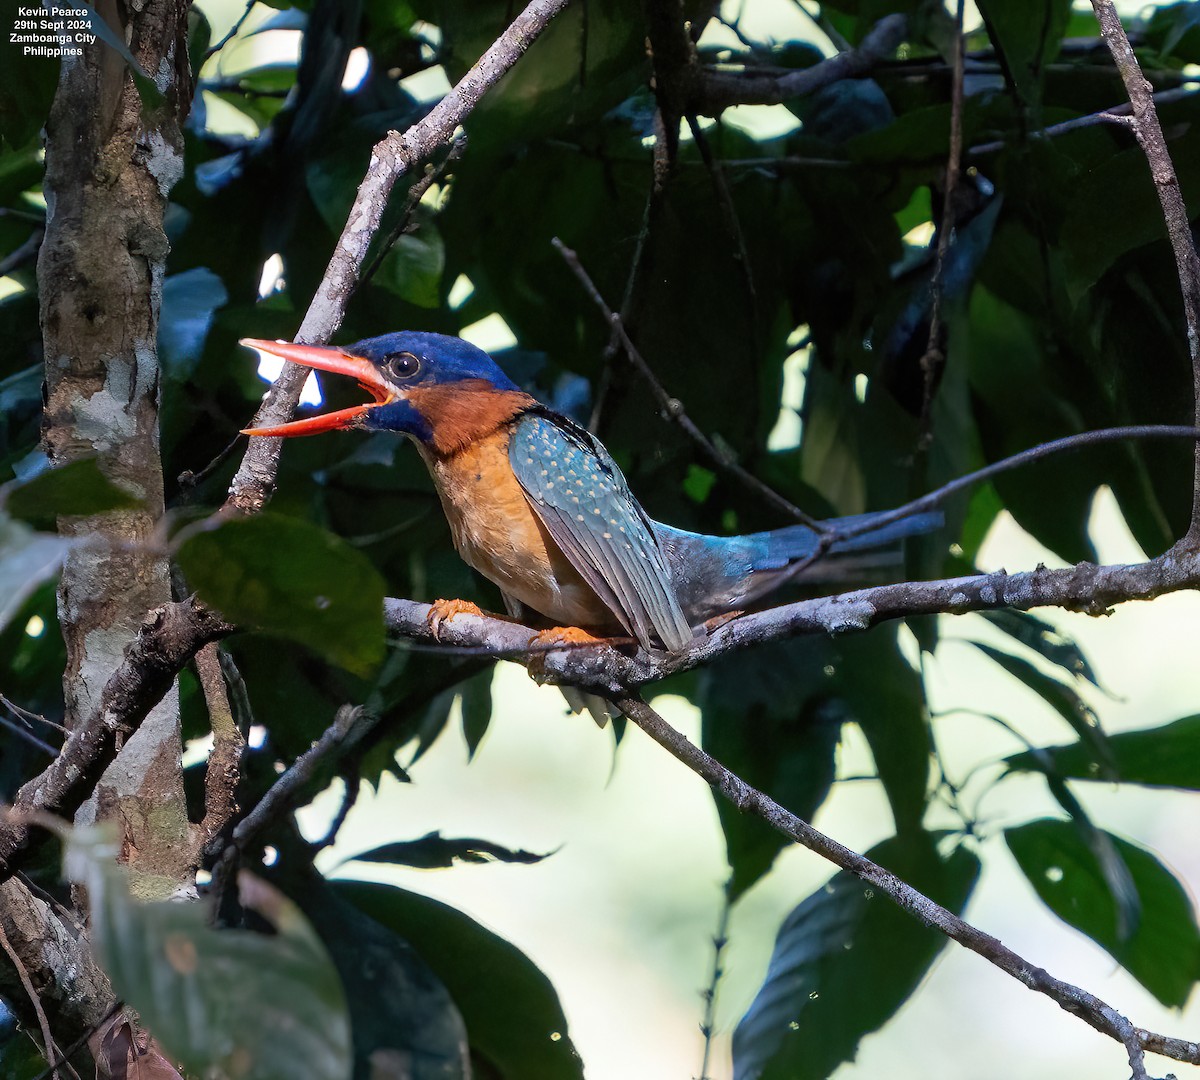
(537, 505)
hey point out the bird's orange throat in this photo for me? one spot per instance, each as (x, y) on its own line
(459, 414)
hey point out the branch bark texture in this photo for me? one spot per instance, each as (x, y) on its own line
(111, 161)
(615, 671)
(1150, 137)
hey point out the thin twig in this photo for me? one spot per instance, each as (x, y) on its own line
(27, 252)
(349, 727)
(1016, 461)
(733, 223)
(433, 173)
(614, 342)
(714, 92)
(27, 736)
(25, 714)
(672, 407)
(934, 358)
(352, 783)
(52, 1056)
(188, 479)
(392, 157)
(1118, 114)
(719, 941)
(1187, 262)
(79, 1043)
(212, 51)
(1100, 1015)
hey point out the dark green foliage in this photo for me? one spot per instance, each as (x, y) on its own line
(514, 1022)
(845, 960)
(434, 851)
(77, 488)
(266, 1005)
(1162, 951)
(292, 579)
(1167, 756)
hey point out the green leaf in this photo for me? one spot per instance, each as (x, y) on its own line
(258, 1006)
(1044, 639)
(413, 268)
(1163, 952)
(20, 1059)
(1062, 699)
(77, 489)
(513, 1017)
(399, 1010)
(26, 91)
(780, 740)
(887, 698)
(476, 703)
(1027, 34)
(844, 962)
(1166, 756)
(774, 715)
(189, 302)
(27, 560)
(435, 851)
(293, 579)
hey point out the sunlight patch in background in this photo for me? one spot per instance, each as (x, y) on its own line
(490, 333)
(269, 367)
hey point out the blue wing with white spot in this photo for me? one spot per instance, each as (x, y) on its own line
(583, 500)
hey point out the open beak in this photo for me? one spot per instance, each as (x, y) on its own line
(324, 358)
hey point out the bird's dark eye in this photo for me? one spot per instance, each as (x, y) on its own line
(402, 365)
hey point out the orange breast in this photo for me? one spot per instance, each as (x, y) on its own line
(497, 532)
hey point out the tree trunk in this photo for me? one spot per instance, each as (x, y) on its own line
(111, 160)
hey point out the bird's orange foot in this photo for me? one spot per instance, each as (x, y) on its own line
(441, 611)
(720, 620)
(555, 637)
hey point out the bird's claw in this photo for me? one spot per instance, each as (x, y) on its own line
(718, 621)
(545, 641)
(441, 611)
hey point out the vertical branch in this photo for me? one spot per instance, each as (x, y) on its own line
(1154, 145)
(719, 941)
(935, 352)
(224, 760)
(111, 161)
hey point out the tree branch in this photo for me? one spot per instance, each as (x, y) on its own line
(613, 670)
(934, 357)
(1154, 145)
(393, 156)
(1089, 1008)
(167, 639)
(716, 91)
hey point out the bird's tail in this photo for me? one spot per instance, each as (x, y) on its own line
(715, 574)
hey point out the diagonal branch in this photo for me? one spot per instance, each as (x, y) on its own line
(1187, 262)
(1089, 1008)
(393, 156)
(167, 640)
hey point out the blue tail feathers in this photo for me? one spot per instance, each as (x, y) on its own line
(715, 574)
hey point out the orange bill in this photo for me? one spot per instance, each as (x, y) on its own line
(323, 358)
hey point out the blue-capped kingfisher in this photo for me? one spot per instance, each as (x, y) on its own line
(537, 505)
